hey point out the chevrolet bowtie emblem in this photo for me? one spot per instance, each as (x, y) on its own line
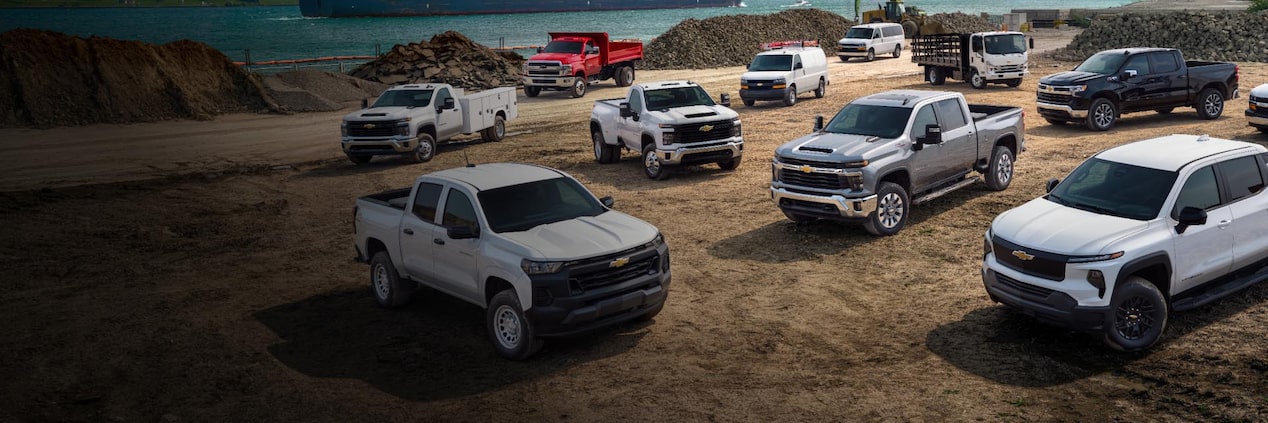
(368, 126)
(807, 169)
(706, 128)
(619, 262)
(1023, 255)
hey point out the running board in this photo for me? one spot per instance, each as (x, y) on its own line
(925, 198)
(1220, 291)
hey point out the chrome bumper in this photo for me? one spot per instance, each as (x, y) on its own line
(396, 144)
(549, 81)
(992, 76)
(673, 157)
(1256, 120)
(851, 208)
(1077, 114)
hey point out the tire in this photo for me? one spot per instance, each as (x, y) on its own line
(898, 50)
(1165, 110)
(999, 173)
(1262, 129)
(1210, 104)
(790, 96)
(360, 158)
(800, 218)
(1101, 115)
(579, 86)
(603, 153)
(390, 291)
(937, 76)
(1013, 83)
(496, 132)
(731, 164)
(625, 76)
(510, 332)
(910, 29)
(426, 149)
(1137, 317)
(844, 58)
(976, 80)
(652, 166)
(1058, 122)
(532, 91)
(822, 90)
(892, 208)
(871, 55)
(748, 102)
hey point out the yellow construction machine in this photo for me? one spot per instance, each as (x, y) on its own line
(911, 17)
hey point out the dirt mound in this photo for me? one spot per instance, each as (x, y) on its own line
(318, 91)
(450, 58)
(733, 40)
(1200, 35)
(51, 79)
(960, 22)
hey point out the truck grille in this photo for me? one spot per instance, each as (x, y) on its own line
(813, 163)
(383, 128)
(1053, 98)
(813, 180)
(1038, 293)
(1041, 263)
(718, 130)
(598, 272)
(1008, 68)
(544, 68)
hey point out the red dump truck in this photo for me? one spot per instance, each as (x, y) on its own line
(574, 60)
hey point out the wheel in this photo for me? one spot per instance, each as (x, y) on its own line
(1165, 110)
(360, 158)
(1013, 83)
(871, 55)
(731, 164)
(509, 330)
(603, 153)
(652, 166)
(891, 210)
(625, 76)
(579, 87)
(1102, 115)
(976, 80)
(1057, 122)
(748, 101)
(898, 50)
(937, 76)
(389, 289)
(426, 149)
(1137, 317)
(1263, 129)
(999, 173)
(844, 58)
(532, 91)
(790, 95)
(1210, 104)
(496, 132)
(822, 90)
(799, 218)
(910, 28)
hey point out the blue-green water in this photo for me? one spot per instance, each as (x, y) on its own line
(280, 32)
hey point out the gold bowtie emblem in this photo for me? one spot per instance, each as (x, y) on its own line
(1023, 255)
(706, 128)
(619, 262)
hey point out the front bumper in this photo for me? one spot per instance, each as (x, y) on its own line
(1056, 307)
(824, 206)
(549, 81)
(994, 76)
(391, 145)
(1258, 118)
(763, 94)
(726, 149)
(561, 308)
(1060, 111)
(852, 51)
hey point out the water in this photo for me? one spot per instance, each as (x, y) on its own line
(280, 32)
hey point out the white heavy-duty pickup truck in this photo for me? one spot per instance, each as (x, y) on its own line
(410, 120)
(1134, 233)
(529, 244)
(670, 123)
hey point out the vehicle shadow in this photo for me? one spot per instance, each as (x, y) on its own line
(434, 348)
(627, 173)
(1010, 348)
(342, 166)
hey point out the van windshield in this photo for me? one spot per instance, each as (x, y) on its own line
(1103, 63)
(404, 98)
(1005, 44)
(864, 33)
(771, 62)
(876, 121)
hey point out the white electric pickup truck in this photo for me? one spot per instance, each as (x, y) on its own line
(1134, 233)
(528, 243)
(411, 119)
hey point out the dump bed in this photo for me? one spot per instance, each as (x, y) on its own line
(610, 51)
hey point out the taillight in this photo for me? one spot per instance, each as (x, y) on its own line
(1237, 73)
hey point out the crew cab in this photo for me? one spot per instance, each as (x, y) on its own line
(1127, 80)
(530, 244)
(1257, 110)
(411, 119)
(884, 152)
(670, 123)
(574, 60)
(1134, 233)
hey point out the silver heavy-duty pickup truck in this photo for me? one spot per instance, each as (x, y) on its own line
(886, 151)
(528, 243)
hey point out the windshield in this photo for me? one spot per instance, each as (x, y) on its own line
(864, 33)
(1104, 63)
(404, 98)
(676, 97)
(1115, 189)
(573, 47)
(1005, 44)
(876, 121)
(525, 206)
(771, 62)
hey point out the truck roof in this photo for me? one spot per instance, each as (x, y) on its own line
(1134, 50)
(666, 84)
(1172, 152)
(496, 175)
(416, 87)
(900, 98)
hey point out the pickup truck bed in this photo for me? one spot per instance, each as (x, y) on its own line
(396, 198)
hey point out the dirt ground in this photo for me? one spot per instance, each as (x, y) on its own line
(203, 271)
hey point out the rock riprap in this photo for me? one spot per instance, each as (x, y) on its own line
(450, 57)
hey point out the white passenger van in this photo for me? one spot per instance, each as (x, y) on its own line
(869, 39)
(783, 71)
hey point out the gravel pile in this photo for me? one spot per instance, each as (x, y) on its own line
(318, 91)
(1200, 35)
(449, 58)
(959, 22)
(734, 40)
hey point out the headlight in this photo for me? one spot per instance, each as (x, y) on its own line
(659, 240)
(854, 180)
(1089, 259)
(402, 127)
(540, 267)
(343, 128)
(987, 249)
(668, 137)
(735, 128)
(566, 69)
(1075, 89)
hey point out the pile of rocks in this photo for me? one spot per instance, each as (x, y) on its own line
(1200, 35)
(449, 58)
(734, 40)
(957, 22)
(313, 90)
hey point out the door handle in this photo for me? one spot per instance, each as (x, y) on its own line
(438, 241)
(1224, 223)
(408, 231)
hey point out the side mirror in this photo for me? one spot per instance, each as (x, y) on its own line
(725, 100)
(592, 50)
(933, 134)
(462, 232)
(607, 201)
(626, 111)
(448, 104)
(1051, 185)
(1032, 43)
(819, 123)
(1190, 216)
(1129, 74)
(365, 103)
(541, 49)
(797, 66)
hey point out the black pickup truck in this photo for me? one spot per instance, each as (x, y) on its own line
(1114, 82)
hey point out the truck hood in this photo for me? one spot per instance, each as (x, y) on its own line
(566, 58)
(584, 237)
(830, 147)
(693, 113)
(1069, 78)
(380, 114)
(764, 75)
(1059, 229)
(1260, 91)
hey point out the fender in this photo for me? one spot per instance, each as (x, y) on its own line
(1151, 259)
(607, 137)
(523, 289)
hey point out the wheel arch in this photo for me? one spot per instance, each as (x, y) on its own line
(646, 140)
(898, 176)
(1218, 86)
(1154, 267)
(1008, 140)
(427, 128)
(495, 284)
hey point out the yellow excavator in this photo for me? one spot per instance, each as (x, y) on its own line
(911, 17)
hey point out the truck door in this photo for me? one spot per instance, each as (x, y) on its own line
(930, 164)
(593, 59)
(448, 121)
(959, 137)
(1203, 252)
(417, 225)
(1244, 177)
(977, 55)
(1173, 88)
(799, 74)
(630, 130)
(1140, 92)
(455, 259)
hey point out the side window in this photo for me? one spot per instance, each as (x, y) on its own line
(1164, 62)
(1199, 191)
(441, 96)
(924, 117)
(978, 45)
(1138, 63)
(796, 61)
(425, 201)
(636, 101)
(1244, 177)
(950, 114)
(459, 211)
(876, 33)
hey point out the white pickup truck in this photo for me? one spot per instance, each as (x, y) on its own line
(411, 119)
(1134, 233)
(528, 243)
(670, 123)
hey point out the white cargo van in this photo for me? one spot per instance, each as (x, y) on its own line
(785, 70)
(867, 40)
